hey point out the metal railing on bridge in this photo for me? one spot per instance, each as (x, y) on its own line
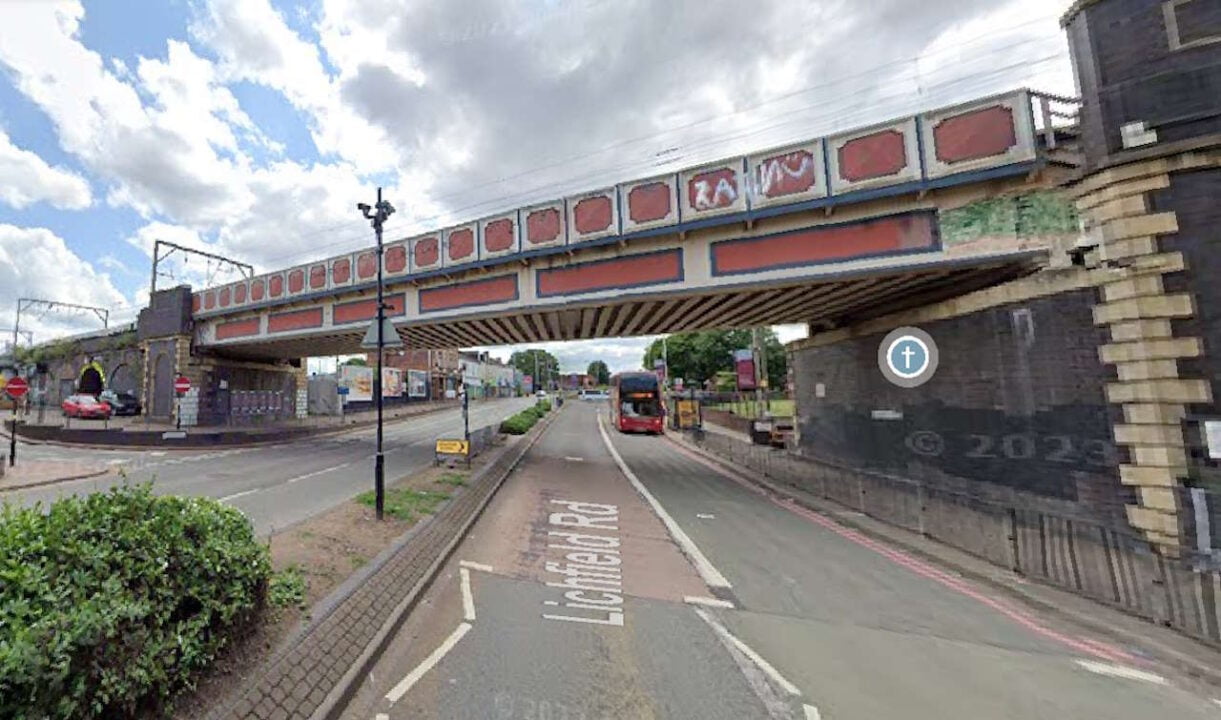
(1096, 555)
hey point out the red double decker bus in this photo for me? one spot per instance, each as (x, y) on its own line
(636, 402)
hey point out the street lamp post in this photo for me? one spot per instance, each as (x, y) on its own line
(377, 217)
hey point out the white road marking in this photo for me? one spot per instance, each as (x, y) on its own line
(318, 472)
(1121, 671)
(705, 516)
(468, 600)
(811, 712)
(745, 649)
(398, 691)
(474, 565)
(235, 496)
(116, 461)
(707, 601)
(712, 577)
(157, 453)
(571, 458)
(381, 716)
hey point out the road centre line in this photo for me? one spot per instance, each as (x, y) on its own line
(707, 602)
(1121, 671)
(1020, 616)
(235, 496)
(398, 691)
(468, 601)
(711, 576)
(746, 650)
(319, 472)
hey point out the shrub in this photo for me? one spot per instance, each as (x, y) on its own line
(544, 406)
(518, 424)
(111, 603)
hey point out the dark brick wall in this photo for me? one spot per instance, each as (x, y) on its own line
(169, 313)
(1017, 404)
(1127, 72)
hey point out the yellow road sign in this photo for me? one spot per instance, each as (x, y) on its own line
(453, 447)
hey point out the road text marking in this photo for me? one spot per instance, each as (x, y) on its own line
(1121, 671)
(705, 516)
(811, 712)
(707, 601)
(712, 577)
(573, 458)
(235, 496)
(468, 600)
(474, 565)
(398, 691)
(592, 576)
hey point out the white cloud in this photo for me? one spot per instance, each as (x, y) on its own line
(25, 178)
(36, 263)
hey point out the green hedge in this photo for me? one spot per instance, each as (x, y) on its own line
(111, 603)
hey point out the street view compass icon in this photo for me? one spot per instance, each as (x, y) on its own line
(908, 357)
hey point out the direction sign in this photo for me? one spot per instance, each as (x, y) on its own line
(182, 385)
(452, 447)
(16, 387)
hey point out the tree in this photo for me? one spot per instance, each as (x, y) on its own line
(356, 361)
(599, 372)
(699, 356)
(548, 367)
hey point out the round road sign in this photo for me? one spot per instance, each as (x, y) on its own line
(16, 387)
(182, 385)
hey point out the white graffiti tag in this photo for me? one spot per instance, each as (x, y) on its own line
(707, 197)
(772, 173)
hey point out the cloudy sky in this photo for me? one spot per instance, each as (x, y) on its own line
(252, 127)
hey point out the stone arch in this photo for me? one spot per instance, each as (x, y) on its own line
(123, 379)
(91, 380)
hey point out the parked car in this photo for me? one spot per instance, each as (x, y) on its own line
(121, 403)
(85, 406)
(541, 394)
(594, 395)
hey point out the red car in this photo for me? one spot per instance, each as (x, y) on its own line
(85, 406)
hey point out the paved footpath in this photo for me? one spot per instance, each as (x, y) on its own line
(575, 597)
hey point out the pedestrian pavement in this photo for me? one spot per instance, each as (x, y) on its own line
(31, 473)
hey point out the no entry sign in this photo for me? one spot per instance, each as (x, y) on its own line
(16, 388)
(182, 385)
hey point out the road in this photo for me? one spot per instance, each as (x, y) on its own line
(573, 597)
(275, 485)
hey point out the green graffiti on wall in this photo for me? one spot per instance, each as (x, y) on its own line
(1029, 215)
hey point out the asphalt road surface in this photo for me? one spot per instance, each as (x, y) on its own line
(575, 597)
(275, 485)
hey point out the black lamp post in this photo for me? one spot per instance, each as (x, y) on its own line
(377, 217)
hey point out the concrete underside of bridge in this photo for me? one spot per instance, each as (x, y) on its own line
(825, 304)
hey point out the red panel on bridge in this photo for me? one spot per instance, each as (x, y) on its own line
(237, 328)
(341, 271)
(498, 235)
(828, 243)
(367, 309)
(426, 252)
(713, 189)
(366, 266)
(632, 271)
(296, 281)
(787, 174)
(275, 285)
(593, 214)
(646, 203)
(239, 293)
(543, 226)
(872, 156)
(317, 277)
(396, 259)
(257, 290)
(196, 302)
(223, 294)
(977, 134)
(295, 320)
(480, 292)
(461, 244)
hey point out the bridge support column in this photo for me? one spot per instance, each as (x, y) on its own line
(1150, 80)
